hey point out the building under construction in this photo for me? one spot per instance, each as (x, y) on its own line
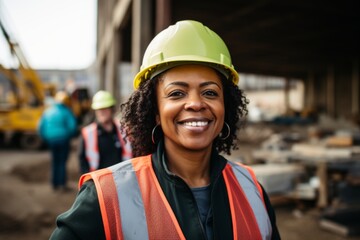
(316, 42)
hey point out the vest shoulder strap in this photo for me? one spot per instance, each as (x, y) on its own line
(249, 169)
(157, 208)
(248, 211)
(244, 222)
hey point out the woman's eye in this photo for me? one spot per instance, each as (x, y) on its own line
(175, 94)
(210, 93)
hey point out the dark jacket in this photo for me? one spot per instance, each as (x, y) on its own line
(110, 149)
(83, 220)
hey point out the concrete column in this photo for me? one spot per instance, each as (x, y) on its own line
(163, 15)
(287, 95)
(330, 93)
(310, 91)
(112, 59)
(355, 89)
(102, 75)
(117, 61)
(141, 31)
(100, 61)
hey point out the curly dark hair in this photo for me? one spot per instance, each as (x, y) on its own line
(139, 116)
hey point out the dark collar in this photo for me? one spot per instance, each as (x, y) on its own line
(101, 130)
(217, 164)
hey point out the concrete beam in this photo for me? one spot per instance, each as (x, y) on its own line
(111, 72)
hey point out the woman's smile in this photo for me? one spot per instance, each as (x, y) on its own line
(196, 126)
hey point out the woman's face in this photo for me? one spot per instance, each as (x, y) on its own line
(191, 107)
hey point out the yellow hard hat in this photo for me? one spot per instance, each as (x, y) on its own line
(186, 42)
(102, 99)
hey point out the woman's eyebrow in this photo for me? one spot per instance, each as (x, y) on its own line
(209, 83)
(184, 84)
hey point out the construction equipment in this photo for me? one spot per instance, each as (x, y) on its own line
(22, 99)
(80, 102)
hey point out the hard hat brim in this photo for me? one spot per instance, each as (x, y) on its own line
(152, 71)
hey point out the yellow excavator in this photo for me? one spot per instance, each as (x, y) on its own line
(22, 100)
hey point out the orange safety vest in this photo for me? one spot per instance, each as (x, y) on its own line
(90, 137)
(135, 207)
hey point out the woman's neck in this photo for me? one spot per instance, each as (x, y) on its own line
(192, 166)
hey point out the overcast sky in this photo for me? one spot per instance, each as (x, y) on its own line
(53, 34)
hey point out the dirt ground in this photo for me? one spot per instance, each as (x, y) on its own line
(29, 206)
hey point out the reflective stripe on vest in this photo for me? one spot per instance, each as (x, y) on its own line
(92, 149)
(246, 200)
(130, 195)
(91, 145)
(126, 147)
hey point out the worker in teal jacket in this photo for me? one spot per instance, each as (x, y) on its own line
(57, 126)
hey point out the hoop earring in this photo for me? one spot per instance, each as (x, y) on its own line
(228, 134)
(152, 133)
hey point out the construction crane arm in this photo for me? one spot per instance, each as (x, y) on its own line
(29, 76)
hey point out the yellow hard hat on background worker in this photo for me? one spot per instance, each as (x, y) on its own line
(102, 99)
(177, 45)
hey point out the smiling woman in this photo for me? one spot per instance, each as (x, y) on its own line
(178, 186)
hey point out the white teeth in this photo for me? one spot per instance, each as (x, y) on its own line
(196, 124)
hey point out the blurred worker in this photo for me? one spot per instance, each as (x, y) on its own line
(57, 126)
(102, 142)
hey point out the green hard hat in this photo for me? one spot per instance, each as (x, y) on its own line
(102, 99)
(186, 42)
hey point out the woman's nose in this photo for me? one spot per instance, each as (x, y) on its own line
(195, 103)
